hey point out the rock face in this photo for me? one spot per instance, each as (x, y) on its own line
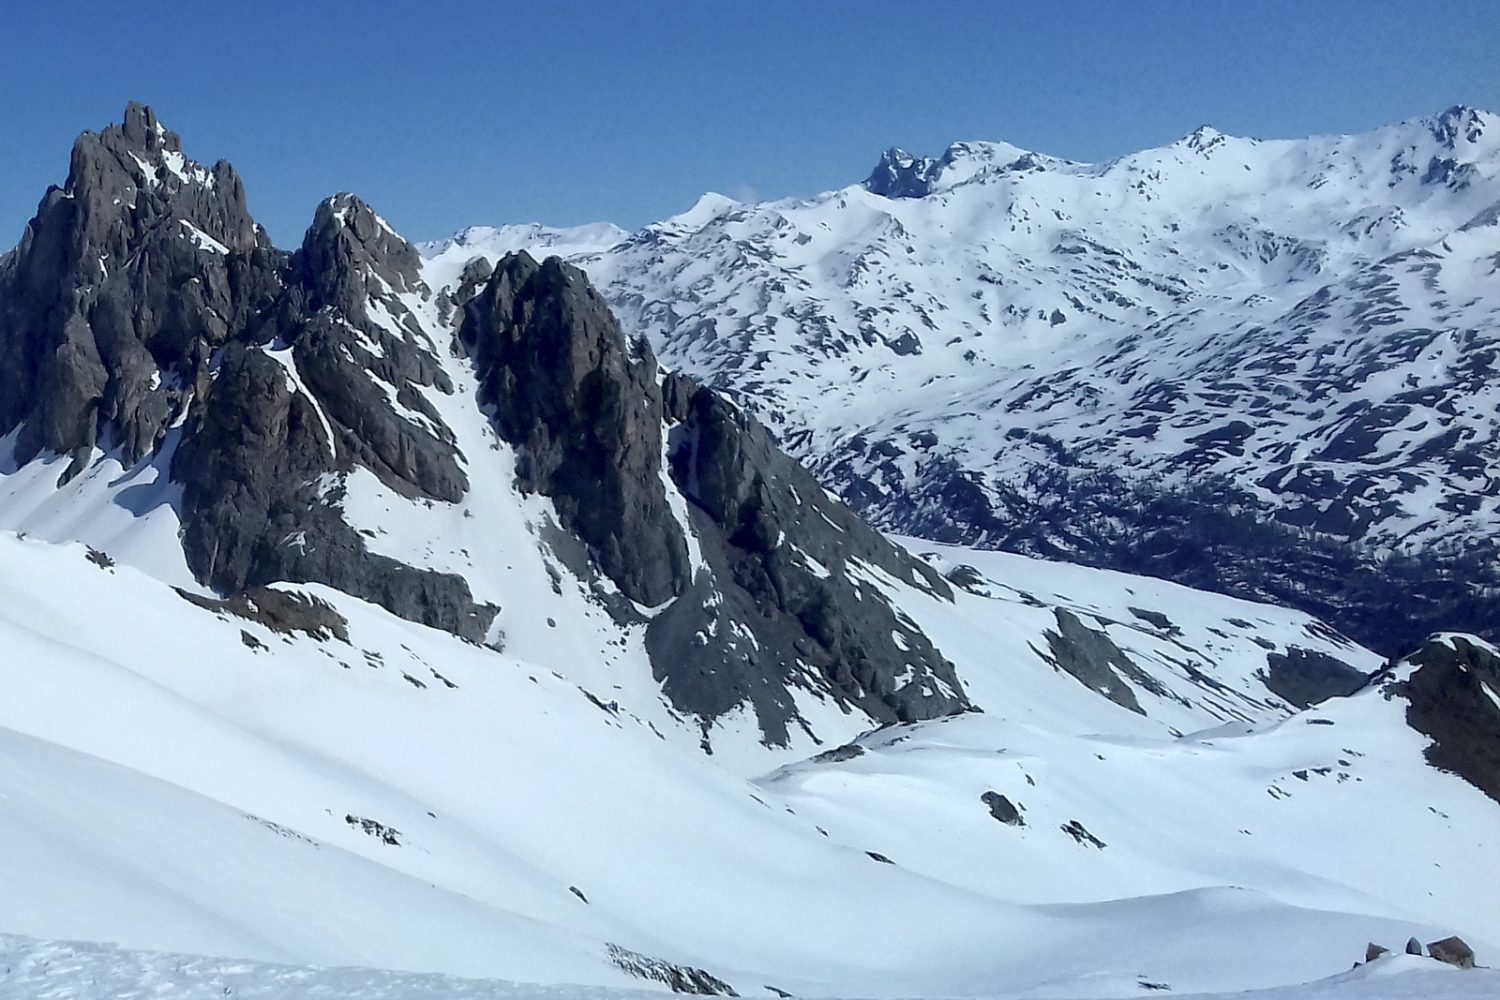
(314, 389)
(146, 315)
(1454, 951)
(767, 600)
(585, 412)
(1002, 809)
(1454, 698)
(1305, 677)
(797, 569)
(901, 175)
(124, 284)
(1093, 659)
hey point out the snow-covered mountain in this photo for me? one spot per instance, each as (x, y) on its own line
(445, 259)
(344, 622)
(1264, 367)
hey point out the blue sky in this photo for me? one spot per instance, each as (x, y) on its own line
(448, 114)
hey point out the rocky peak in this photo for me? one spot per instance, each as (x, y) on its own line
(350, 254)
(131, 175)
(795, 569)
(283, 377)
(141, 129)
(771, 601)
(124, 283)
(333, 377)
(1458, 124)
(1203, 140)
(583, 408)
(899, 174)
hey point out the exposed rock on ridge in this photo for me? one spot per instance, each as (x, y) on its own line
(798, 569)
(770, 599)
(123, 285)
(302, 405)
(153, 320)
(1454, 697)
(143, 299)
(585, 414)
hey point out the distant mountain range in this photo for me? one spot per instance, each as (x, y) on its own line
(1262, 367)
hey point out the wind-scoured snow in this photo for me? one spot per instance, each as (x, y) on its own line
(79, 971)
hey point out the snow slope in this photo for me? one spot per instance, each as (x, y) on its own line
(74, 971)
(181, 780)
(446, 258)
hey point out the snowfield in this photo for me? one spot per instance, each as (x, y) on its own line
(76, 971)
(179, 780)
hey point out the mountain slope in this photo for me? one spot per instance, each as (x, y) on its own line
(465, 790)
(325, 419)
(1003, 348)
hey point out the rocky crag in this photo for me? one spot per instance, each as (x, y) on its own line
(149, 319)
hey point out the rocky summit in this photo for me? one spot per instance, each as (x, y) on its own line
(152, 321)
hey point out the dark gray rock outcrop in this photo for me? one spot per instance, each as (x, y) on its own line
(255, 509)
(770, 599)
(795, 569)
(1002, 809)
(1091, 657)
(902, 175)
(146, 314)
(584, 410)
(126, 281)
(367, 375)
(1305, 677)
(315, 388)
(1451, 697)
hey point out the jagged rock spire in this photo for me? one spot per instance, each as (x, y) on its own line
(902, 175)
(585, 410)
(124, 283)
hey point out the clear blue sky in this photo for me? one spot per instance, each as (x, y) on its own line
(448, 114)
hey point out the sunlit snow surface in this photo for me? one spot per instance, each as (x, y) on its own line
(166, 783)
(73, 971)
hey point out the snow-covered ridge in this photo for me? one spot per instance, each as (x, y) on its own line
(1310, 321)
(447, 257)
